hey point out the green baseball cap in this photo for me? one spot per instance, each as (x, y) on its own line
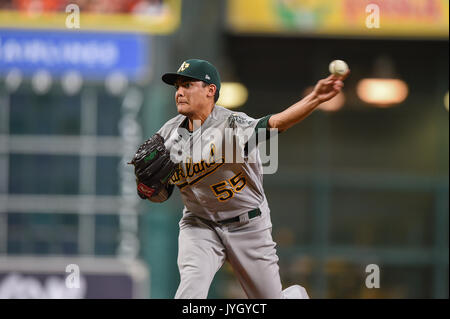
(196, 69)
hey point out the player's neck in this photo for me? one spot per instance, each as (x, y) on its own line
(200, 116)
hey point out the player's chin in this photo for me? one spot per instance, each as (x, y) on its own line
(183, 108)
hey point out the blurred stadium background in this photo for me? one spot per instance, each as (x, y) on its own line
(362, 181)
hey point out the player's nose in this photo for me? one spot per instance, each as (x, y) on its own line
(179, 91)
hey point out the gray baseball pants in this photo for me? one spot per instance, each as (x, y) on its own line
(204, 246)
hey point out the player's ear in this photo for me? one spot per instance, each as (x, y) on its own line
(212, 90)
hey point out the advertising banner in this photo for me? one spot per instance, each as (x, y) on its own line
(144, 16)
(367, 18)
(93, 55)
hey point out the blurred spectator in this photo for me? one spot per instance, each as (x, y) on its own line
(5, 5)
(105, 6)
(36, 6)
(150, 7)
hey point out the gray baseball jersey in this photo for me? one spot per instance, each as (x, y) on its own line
(215, 186)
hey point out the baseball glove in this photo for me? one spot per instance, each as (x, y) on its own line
(153, 169)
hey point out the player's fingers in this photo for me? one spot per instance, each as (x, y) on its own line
(339, 83)
(331, 77)
(334, 85)
(337, 88)
(330, 81)
(343, 77)
(323, 83)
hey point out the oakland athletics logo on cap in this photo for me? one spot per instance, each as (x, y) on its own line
(183, 67)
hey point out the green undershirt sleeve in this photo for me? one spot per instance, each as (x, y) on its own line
(263, 123)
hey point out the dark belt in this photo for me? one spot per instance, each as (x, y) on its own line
(251, 214)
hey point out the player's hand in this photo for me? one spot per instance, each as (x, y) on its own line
(329, 87)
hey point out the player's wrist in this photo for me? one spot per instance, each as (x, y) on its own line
(314, 98)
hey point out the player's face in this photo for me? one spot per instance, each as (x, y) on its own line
(190, 96)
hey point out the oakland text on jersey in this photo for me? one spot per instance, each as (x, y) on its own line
(194, 172)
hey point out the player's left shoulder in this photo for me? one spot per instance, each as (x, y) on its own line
(239, 119)
(231, 116)
(219, 112)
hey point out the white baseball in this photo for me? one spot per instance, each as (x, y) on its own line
(338, 67)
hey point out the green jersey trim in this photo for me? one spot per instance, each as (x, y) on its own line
(263, 123)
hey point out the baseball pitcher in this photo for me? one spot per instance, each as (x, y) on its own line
(209, 153)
